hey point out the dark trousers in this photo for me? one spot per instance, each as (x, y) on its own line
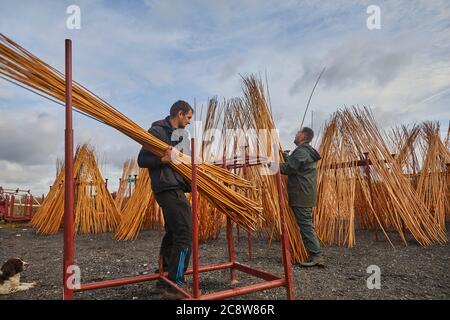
(303, 215)
(177, 241)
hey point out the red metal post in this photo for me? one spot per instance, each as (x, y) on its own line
(237, 226)
(249, 234)
(30, 208)
(195, 287)
(285, 243)
(369, 182)
(10, 213)
(68, 179)
(230, 241)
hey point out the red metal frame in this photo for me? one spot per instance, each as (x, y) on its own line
(69, 234)
(270, 280)
(8, 206)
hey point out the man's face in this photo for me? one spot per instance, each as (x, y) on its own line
(299, 137)
(184, 119)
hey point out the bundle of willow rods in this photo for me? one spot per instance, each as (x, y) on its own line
(259, 106)
(432, 182)
(447, 146)
(404, 141)
(213, 182)
(94, 211)
(389, 199)
(141, 210)
(428, 178)
(129, 168)
(252, 112)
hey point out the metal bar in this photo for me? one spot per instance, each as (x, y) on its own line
(230, 242)
(244, 290)
(173, 285)
(367, 164)
(255, 272)
(237, 226)
(287, 263)
(249, 234)
(117, 282)
(10, 213)
(148, 277)
(195, 287)
(69, 250)
(211, 267)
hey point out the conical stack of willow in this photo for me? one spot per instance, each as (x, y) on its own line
(383, 195)
(94, 210)
(447, 146)
(141, 211)
(247, 128)
(432, 182)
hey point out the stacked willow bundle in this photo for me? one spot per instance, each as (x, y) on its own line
(386, 198)
(251, 114)
(129, 168)
(94, 210)
(429, 178)
(337, 189)
(213, 182)
(404, 142)
(432, 184)
(447, 145)
(141, 211)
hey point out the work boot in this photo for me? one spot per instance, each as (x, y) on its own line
(161, 286)
(172, 294)
(314, 260)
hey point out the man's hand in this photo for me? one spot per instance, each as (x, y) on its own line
(170, 155)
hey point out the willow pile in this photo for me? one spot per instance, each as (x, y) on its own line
(381, 195)
(247, 128)
(141, 211)
(94, 209)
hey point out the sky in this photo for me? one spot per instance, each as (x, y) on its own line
(143, 55)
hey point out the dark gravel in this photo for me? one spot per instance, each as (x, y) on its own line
(407, 272)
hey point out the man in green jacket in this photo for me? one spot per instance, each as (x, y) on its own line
(300, 167)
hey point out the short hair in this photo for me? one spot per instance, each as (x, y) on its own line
(178, 106)
(309, 133)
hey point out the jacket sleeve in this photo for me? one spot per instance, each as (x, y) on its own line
(293, 162)
(146, 159)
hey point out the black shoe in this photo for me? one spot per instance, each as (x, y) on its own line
(171, 293)
(161, 286)
(313, 261)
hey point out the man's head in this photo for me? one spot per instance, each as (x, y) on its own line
(305, 135)
(181, 114)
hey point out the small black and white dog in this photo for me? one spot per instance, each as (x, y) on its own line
(10, 276)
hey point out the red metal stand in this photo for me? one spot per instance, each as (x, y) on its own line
(270, 280)
(69, 237)
(8, 206)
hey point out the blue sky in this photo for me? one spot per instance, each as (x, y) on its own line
(141, 56)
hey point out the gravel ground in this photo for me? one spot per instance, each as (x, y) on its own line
(407, 272)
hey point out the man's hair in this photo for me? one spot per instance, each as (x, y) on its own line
(178, 106)
(309, 133)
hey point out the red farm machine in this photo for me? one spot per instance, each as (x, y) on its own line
(17, 205)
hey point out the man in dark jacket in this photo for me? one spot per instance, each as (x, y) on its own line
(169, 188)
(300, 167)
